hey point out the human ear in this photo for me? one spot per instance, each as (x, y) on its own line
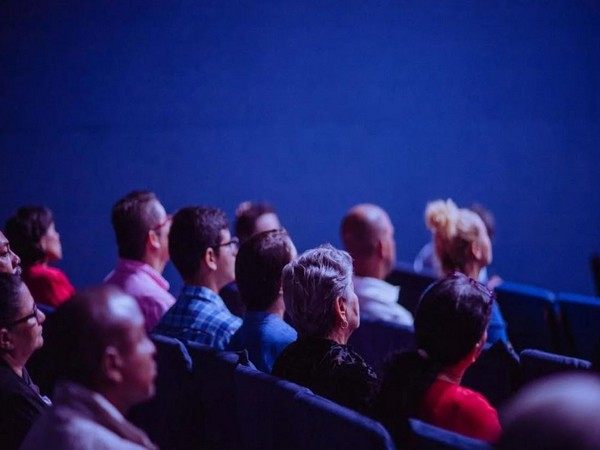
(341, 310)
(210, 258)
(111, 364)
(153, 239)
(5, 340)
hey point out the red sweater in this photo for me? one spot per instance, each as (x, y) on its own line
(455, 408)
(48, 285)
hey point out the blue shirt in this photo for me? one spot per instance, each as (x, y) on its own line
(199, 315)
(497, 327)
(264, 335)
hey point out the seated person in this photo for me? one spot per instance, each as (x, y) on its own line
(141, 227)
(251, 218)
(104, 362)
(320, 299)
(450, 331)
(203, 252)
(553, 413)
(9, 261)
(20, 335)
(258, 269)
(463, 245)
(32, 233)
(368, 235)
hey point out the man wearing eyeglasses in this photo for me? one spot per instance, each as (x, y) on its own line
(204, 253)
(141, 227)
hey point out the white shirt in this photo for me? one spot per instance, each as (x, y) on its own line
(378, 300)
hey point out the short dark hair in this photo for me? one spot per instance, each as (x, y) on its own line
(10, 287)
(194, 230)
(133, 217)
(246, 216)
(25, 229)
(258, 267)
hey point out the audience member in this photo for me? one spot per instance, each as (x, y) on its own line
(556, 413)
(450, 331)
(258, 269)
(105, 365)
(320, 299)
(141, 227)
(368, 235)
(251, 219)
(463, 245)
(254, 218)
(203, 252)
(427, 261)
(9, 261)
(20, 335)
(33, 236)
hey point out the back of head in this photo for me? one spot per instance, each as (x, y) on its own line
(193, 231)
(10, 288)
(556, 413)
(450, 320)
(132, 218)
(311, 285)
(25, 229)
(258, 266)
(454, 231)
(361, 229)
(247, 216)
(83, 328)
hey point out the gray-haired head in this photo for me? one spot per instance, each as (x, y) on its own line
(311, 285)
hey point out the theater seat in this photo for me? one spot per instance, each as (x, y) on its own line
(429, 437)
(580, 323)
(537, 364)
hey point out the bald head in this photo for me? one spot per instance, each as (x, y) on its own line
(86, 325)
(368, 235)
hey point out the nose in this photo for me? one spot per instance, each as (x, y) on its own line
(41, 317)
(14, 258)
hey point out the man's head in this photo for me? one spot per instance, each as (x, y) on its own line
(141, 227)
(9, 261)
(254, 218)
(368, 235)
(258, 268)
(202, 248)
(101, 343)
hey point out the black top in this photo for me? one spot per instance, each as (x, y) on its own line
(20, 406)
(329, 369)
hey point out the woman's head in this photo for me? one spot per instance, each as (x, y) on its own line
(318, 293)
(460, 236)
(452, 317)
(33, 235)
(20, 320)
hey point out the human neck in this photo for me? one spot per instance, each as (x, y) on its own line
(339, 336)
(208, 282)
(370, 267)
(154, 261)
(14, 364)
(452, 374)
(277, 308)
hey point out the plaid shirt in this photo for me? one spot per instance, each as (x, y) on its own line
(199, 315)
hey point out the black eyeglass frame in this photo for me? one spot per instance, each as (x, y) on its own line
(234, 241)
(34, 314)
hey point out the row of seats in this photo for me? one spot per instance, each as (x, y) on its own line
(537, 318)
(212, 399)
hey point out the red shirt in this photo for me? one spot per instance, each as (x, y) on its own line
(48, 285)
(455, 408)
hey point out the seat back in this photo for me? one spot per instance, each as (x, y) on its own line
(496, 373)
(171, 417)
(531, 316)
(537, 364)
(412, 285)
(429, 437)
(374, 340)
(580, 318)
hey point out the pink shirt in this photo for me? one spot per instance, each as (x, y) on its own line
(146, 285)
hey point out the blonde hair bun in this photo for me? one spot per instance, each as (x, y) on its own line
(442, 217)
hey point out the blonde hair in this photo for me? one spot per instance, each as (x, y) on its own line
(454, 229)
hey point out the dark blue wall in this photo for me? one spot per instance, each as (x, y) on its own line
(314, 106)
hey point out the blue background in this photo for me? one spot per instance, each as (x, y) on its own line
(314, 106)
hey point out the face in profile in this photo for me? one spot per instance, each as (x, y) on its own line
(51, 244)
(26, 328)
(353, 309)
(162, 229)
(138, 356)
(267, 222)
(485, 244)
(228, 249)
(389, 241)
(9, 261)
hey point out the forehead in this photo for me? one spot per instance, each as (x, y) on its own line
(3, 240)
(25, 299)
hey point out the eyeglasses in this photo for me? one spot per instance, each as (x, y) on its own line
(234, 242)
(163, 223)
(28, 317)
